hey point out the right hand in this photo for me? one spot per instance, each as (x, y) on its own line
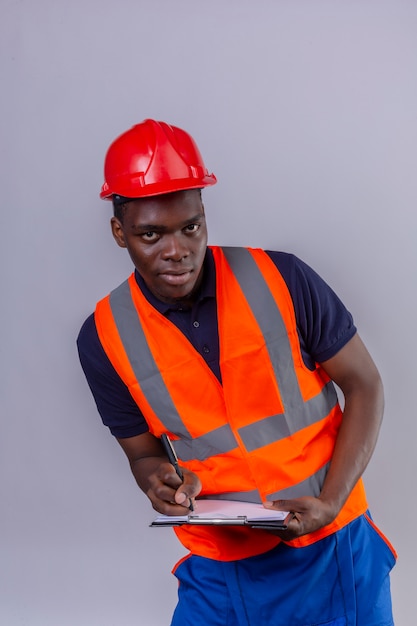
(157, 477)
(164, 488)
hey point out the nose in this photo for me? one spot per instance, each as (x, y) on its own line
(174, 248)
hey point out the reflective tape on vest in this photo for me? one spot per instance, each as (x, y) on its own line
(146, 371)
(298, 413)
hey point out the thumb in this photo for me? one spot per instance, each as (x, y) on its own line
(279, 505)
(180, 496)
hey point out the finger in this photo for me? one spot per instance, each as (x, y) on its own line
(191, 485)
(280, 505)
(300, 505)
(169, 476)
(167, 504)
(181, 497)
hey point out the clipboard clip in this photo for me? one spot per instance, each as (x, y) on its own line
(240, 520)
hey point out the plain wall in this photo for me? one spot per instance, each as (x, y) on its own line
(306, 112)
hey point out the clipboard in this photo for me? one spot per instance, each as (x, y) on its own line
(212, 512)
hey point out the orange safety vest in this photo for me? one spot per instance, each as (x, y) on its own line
(267, 432)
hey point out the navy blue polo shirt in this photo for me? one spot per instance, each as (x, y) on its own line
(324, 326)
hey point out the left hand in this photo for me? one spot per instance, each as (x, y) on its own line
(308, 514)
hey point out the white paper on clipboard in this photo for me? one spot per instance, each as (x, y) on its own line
(227, 512)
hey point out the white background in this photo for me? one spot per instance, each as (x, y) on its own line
(306, 112)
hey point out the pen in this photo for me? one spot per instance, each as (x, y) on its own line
(173, 459)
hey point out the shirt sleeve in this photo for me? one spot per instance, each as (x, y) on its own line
(114, 403)
(323, 322)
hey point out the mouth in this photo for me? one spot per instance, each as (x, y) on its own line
(176, 278)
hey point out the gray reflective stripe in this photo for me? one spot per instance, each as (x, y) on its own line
(311, 486)
(275, 427)
(215, 442)
(153, 387)
(297, 413)
(141, 359)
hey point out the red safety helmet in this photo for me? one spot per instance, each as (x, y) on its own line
(153, 158)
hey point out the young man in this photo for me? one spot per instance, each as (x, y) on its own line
(233, 352)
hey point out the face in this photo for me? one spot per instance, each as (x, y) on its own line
(166, 237)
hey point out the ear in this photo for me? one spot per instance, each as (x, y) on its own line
(118, 232)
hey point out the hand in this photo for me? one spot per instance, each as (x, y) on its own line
(157, 477)
(308, 514)
(164, 488)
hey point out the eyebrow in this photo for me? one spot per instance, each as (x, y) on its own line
(161, 228)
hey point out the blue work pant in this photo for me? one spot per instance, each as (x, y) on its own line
(342, 580)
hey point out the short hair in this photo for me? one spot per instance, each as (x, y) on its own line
(120, 206)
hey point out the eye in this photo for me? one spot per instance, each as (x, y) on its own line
(150, 236)
(191, 228)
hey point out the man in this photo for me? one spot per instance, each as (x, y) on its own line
(233, 352)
